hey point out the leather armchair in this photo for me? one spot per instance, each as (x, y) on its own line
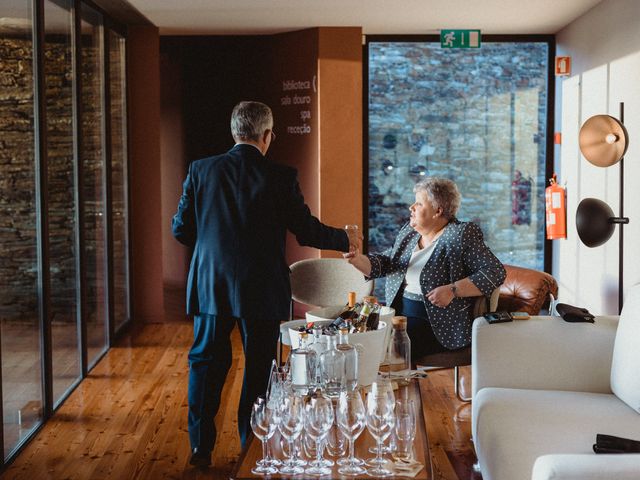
(526, 290)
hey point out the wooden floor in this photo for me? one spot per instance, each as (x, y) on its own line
(128, 419)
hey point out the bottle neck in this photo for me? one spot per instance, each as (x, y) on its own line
(316, 334)
(331, 341)
(343, 338)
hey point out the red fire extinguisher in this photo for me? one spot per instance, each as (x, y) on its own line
(556, 210)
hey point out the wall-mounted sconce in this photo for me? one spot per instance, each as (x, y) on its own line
(603, 142)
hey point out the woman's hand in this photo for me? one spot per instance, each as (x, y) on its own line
(441, 296)
(361, 262)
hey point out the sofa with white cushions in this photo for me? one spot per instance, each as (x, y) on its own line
(543, 388)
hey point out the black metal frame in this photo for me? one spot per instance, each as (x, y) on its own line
(549, 39)
(50, 405)
(115, 331)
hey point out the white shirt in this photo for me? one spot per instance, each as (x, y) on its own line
(418, 260)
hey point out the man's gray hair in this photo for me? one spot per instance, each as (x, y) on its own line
(249, 121)
(441, 193)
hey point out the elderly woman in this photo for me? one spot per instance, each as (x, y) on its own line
(435, 267)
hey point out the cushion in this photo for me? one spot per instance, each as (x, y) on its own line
(625, 368)
(513, 427)
(526, 290)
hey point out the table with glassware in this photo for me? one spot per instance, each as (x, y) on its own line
(363, 446)
(329, 412)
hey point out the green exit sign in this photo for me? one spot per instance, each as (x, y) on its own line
(460, 38)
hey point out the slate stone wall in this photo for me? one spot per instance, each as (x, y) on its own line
(18, 234)
(18, 251)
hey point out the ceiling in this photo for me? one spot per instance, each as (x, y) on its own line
(244, 17)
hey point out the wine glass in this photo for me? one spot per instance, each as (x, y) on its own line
(405, 430)
(264, 422)
(309, 447)
(277, 388)
(350, 417)
(353, 236)
(290, 427)
(383, 386)
(380, 420)
(318, 420)
(336, 441)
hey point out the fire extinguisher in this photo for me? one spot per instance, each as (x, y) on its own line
(556, 210)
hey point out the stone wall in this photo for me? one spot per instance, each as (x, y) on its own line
(18, 251)
(18, 268)
(61, 185)
(477, 116)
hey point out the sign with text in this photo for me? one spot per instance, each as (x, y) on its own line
(563, 66)
(298, 95)
(460, 38)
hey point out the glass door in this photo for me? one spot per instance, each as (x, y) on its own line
(62, 190)
(20, 336)
(119, 184)
(92, 161)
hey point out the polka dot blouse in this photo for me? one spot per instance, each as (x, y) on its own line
(460, 253)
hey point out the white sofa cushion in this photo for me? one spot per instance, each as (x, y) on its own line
(513, 427)
(587, 467)
(625, 368)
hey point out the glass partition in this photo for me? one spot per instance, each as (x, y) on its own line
(119, 184)
(22, 397)
(63, 226)
(55, 176)
(92, 162)
(476, 116)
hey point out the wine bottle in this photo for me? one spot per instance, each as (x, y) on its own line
(303, 367)
(349, 312)
(374, 316)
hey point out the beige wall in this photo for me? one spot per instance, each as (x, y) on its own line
(604, 45)
(340, 142)
(329, 156)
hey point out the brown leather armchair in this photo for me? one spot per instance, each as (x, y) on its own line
(526, 290)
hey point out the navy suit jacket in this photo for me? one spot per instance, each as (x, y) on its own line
(234, 211)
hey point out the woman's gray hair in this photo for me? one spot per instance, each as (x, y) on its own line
(441, 193)
(249, 121)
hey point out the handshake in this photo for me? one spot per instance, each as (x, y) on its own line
(354, 241)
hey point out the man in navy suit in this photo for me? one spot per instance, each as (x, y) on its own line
(234, 211)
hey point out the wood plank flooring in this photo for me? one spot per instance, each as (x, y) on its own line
(127, 420)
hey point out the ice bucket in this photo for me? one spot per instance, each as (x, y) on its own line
(373, 343)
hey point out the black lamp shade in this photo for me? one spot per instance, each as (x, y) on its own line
(594, 222)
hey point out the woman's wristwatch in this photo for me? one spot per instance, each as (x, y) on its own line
(454, 290)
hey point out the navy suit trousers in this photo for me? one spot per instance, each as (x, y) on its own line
(209, 363)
